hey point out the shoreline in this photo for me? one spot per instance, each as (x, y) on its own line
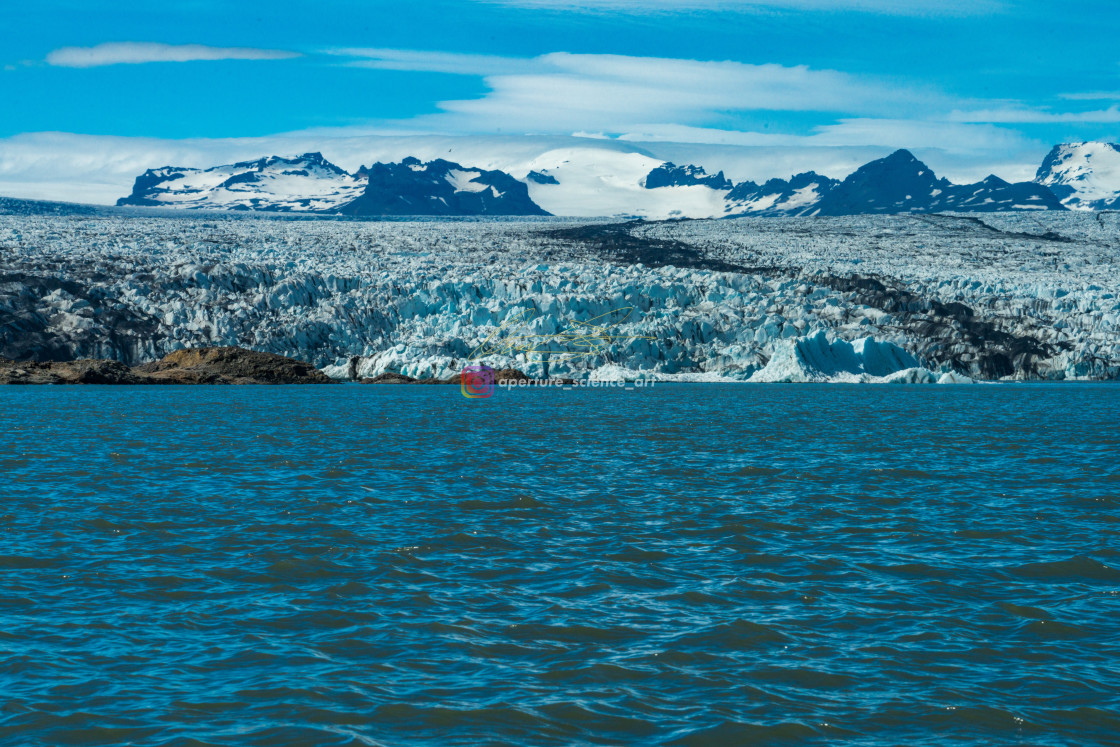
(237, 366)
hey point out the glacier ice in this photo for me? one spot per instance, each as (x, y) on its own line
(817, 358)
(1009, 297)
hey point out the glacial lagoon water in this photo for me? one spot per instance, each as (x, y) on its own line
(689, 564)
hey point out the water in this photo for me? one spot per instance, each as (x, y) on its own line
(691, 564)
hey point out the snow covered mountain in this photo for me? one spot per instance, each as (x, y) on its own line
(592, 181)
(307, 183)
(1084, 176)
(585, 182)
(798, 196)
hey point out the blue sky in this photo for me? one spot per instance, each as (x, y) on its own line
(978, 86)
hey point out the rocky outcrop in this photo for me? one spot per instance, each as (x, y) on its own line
(230, 365)
(389, 377)
(227, 365)
(501, 376)
(68, 372)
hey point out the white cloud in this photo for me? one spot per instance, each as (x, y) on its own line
(117, 53)
(653, 99)
(562, 92)
(890, 7)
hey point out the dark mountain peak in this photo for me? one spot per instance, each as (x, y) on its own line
(900, 163)
(743, 190)
(669, 174)
(901, 156)
(442, 166)
(900, 183)
(439, 187)
(541, 178)
(805, 178)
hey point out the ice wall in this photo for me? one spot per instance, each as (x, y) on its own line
(419, 298)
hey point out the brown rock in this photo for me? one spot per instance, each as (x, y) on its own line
(509, 375)
(390, 377)
(67, 372)
(455, 380)
(230, 366)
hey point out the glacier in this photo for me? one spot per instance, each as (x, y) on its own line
(869, 298)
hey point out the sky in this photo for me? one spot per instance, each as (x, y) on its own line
(94, 93)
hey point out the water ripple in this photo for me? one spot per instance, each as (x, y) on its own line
(682, 565)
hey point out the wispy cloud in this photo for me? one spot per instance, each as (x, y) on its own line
(119, 53)
(432, 62)
(1038, 116)
(889, 7)
(1091, 96)
(949, 137)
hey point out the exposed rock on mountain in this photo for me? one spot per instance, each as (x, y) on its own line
(669, 174)
(440, 188)
(541, 178)
(798, 196)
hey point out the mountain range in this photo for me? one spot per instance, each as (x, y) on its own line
(597, 182)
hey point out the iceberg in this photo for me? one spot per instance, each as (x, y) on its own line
(817, 358)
